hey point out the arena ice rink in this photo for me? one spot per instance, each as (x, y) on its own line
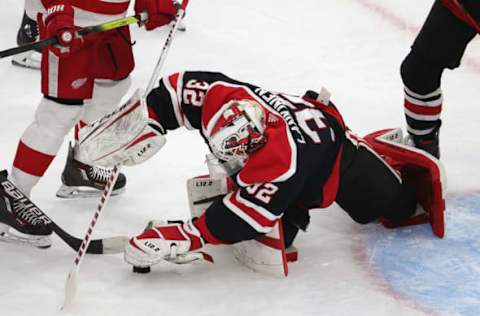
(352, 47)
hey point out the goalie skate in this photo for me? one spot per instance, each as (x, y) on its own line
(80, 180)
(21, 222)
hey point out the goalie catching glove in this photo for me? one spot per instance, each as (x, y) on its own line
(125, 136)
(172, 241)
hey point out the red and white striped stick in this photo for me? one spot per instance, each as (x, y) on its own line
(71, 285)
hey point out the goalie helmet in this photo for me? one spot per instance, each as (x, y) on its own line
(237, 131)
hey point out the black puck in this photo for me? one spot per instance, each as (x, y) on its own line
(141, 269)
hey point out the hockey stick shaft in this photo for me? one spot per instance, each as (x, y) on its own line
(166, 47)
(107, 26)
(71, 285)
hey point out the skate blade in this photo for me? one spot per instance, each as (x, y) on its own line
(67, 192)
(11, 236)
(30, 60)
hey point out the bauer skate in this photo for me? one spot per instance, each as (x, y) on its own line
(80, 180)
(28, 33)
(21, 222)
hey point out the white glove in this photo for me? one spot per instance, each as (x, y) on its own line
(176, 242)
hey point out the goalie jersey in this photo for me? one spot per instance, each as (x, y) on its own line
(296, 170)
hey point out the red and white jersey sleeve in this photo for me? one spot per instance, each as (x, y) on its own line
(92, 12)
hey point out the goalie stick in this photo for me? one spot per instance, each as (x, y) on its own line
(72, 283)
(108, 245)
(107, 26)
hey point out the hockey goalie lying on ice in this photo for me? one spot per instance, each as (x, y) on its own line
(275, 157)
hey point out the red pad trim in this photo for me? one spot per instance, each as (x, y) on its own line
(31, 161)
(292, 256)
(171, 232)
(270, 242)
(146, 136)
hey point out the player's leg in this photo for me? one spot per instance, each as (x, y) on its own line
(83, 180)
(440, 44)
(369, 188)
(28, 33)
(110, 62)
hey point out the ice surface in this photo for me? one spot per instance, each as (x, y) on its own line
(352, 47)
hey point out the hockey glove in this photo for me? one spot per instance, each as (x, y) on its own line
(160, 12)
(175, 242)
(58, 22)
(125, 136)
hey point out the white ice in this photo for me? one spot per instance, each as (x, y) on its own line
(352, 47)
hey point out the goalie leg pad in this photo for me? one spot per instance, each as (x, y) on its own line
(421, 169)
(203, 190)
(266, 254)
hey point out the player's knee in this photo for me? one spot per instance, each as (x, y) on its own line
(108, 93)
(107, 96)
(419, 74)
(56, 118)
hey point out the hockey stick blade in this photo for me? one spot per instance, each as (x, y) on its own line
(109, 245)
(84, 31)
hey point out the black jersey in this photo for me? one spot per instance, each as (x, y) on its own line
(299, 164)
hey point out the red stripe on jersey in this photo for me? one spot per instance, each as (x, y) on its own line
(201, 224)
(457, 9)
(94, 6)
(31, 161)
(423, 110)
(330, 187)
(251, 212)
(173, 80)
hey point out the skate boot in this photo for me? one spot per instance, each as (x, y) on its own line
(81, 180)
(28, 33)
(428, 143)
(21, 221)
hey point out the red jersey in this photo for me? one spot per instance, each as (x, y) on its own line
(92, 12)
